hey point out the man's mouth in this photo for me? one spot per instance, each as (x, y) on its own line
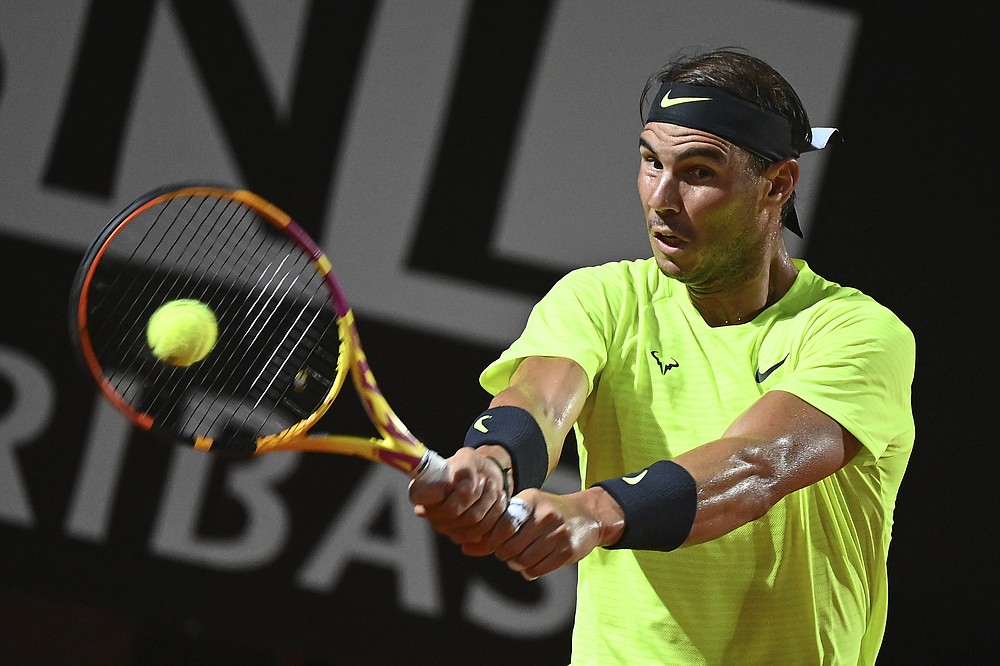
(668, 239)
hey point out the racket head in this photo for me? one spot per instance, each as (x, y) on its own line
(286, 341)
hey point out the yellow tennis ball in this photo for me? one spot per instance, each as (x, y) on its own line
(182, 332)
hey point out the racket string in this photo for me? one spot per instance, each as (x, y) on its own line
(111, 289)
(161, 371)
(263, 319)
(266, 305)
(231, 308)
(228, 258)
(139, 306)
(161, 378)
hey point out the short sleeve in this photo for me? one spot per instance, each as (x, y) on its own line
(573, 320)
(857, 366)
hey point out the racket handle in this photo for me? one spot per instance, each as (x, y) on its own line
(433, 468)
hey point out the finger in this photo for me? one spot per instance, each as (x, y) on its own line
(465, 491)
(531, 555)
(480, 548)
(554, 559)
(421, 492)
(478, 520)
(501, 530)
(510, 548)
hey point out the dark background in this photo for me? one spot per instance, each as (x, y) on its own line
(907, 214)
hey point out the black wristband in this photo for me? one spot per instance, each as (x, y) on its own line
(659, 504)
(516, 430)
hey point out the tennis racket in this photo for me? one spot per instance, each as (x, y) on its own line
(286, 338)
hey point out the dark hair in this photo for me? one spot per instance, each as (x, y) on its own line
(743, 75)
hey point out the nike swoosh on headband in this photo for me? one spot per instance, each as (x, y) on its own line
(669, 101)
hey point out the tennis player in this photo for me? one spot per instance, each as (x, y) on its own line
(743, 424)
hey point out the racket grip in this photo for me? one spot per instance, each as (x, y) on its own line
(433, 468)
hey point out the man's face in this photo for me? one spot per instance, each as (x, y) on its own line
(704, 206)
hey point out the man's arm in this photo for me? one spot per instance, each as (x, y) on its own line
(552, 390)
(469, 509)
(779, 445)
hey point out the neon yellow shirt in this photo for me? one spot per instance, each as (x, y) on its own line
(804, 584)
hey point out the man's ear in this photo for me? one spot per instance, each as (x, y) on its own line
(782, 177)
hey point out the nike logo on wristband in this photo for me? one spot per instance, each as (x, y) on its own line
(632, 480)
(479, 425)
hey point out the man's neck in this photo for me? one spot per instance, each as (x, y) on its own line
(742, 302)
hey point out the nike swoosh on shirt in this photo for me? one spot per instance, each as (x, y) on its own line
(479, 425)
(761, 376)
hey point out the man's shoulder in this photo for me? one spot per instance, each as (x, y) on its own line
(822, 305)
(817, 292)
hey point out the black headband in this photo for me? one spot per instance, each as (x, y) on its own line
(741, 122)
